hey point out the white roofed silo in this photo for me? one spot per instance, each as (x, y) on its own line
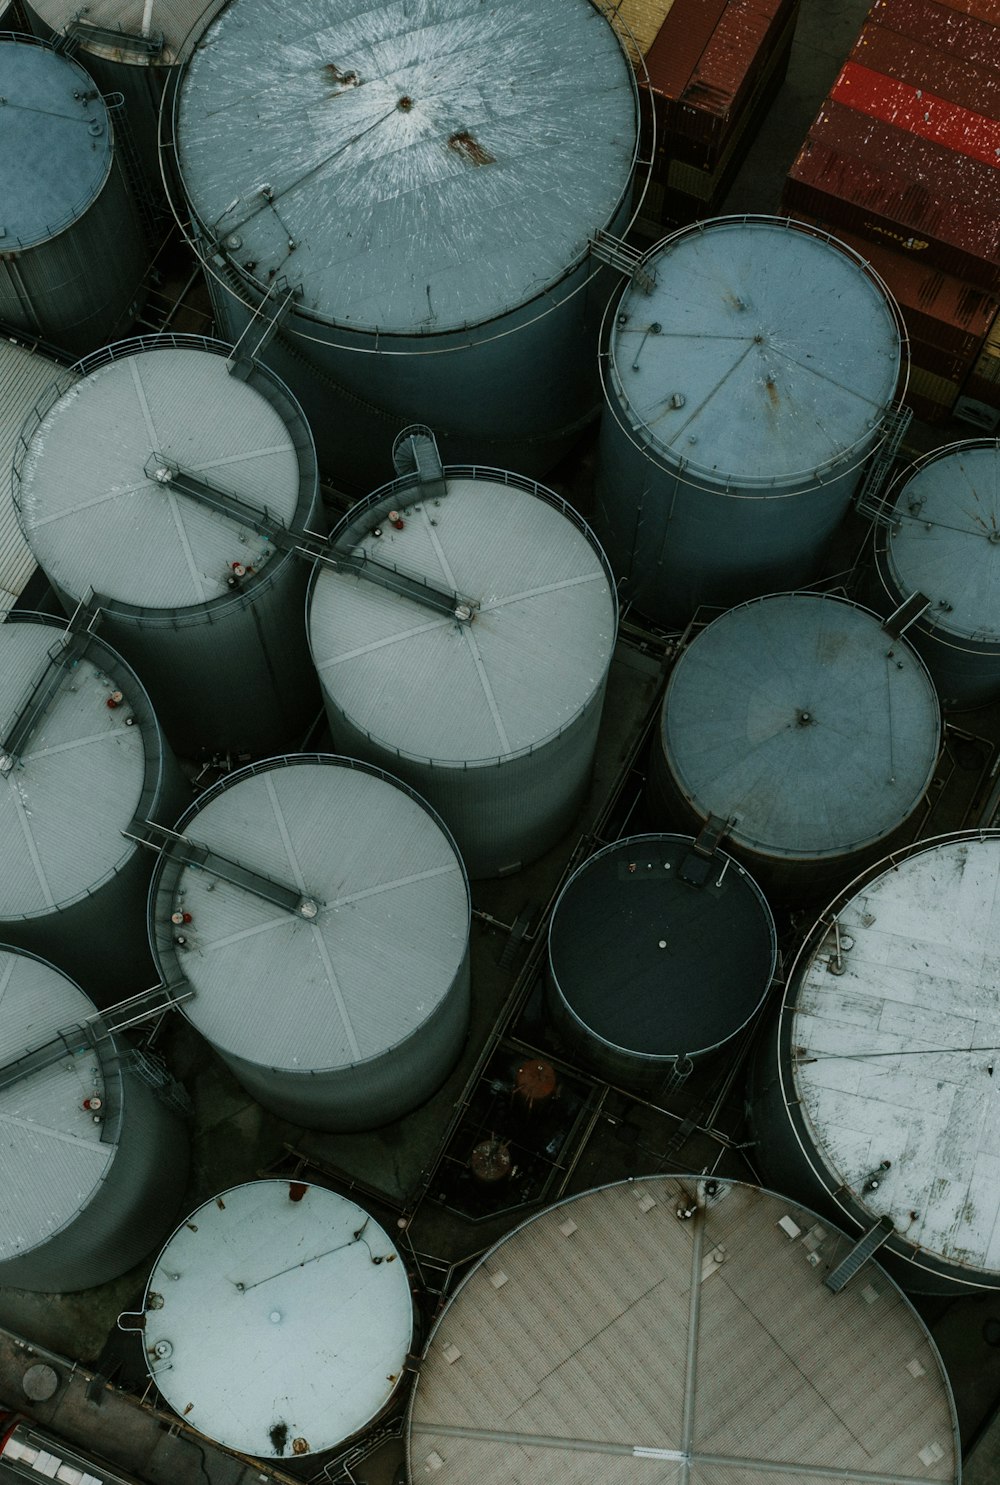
(323, 877)
(425, 184)
(93, 1162)
(72, 264)
(83, 764)
(673, 1329)
(874, 1094)
(466, 647)
(804, 731)
(747, 370)
(161, 482)
(308, 1306)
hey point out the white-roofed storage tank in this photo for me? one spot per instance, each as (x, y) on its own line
(93, 1160)
(747, 369)
(874, 1095)
(325, 877)
(25, 374)
(83, 764)
(424, 184)
(73, 261)
(465, 646)
(801, 730)
(308, 1306)
(157, 486)
(659, 953)
(940, 537)
(679, 1328)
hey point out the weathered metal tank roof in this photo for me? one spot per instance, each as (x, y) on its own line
(606, 1341)
(800, 716)
(947, 545)
(53, 1156)
(308, 1308)
(660, 951)
(411, 169)
(369, 967)
(895, 1053)
(95, 519)
(76, 784)
(534, 655)
(24, 376)
(169, 28)
(55, 143)
(764, 354)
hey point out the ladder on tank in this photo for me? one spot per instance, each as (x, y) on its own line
(871, 498)
(860, 1254)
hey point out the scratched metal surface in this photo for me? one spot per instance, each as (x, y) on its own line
(178, 22)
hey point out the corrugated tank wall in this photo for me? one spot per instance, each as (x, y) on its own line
(24, 376)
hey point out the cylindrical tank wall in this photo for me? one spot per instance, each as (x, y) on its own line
(134, 1204)
(746, 371)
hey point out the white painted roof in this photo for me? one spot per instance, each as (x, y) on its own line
(179, 22)
(886, 1072)
(606, 1342)
(24, 376)
(270, 1325)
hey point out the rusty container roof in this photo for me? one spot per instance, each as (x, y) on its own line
(936, 76)
(955, 29)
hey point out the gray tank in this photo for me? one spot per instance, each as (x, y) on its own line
(478, 677)
(199, 594)
(25, 375)
(659, 953)
(83, 764)
(746, 372)
(330, 965)
(800, 728)
(941, 539)
(72, 264)
(873, 1095)
(93, 1161)
(425, 186)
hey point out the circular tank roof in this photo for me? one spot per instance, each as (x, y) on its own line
(801, 719)
(171, 27)
(608, 1340)
(95, 519)
(77, 779)
(55, 143)
(763, 355)
(53, 1155)
(536, 652)
(886, 1066)
(659, 950)
(947, 545)
(411, 171)
(278, 1318)
(357, 976)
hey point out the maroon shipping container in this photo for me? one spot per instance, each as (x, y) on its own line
(969, 37)
(936, 74)
(885, 184)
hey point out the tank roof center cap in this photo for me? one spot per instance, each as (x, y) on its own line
(804, 719)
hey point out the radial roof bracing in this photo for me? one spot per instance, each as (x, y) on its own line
(608, 1340)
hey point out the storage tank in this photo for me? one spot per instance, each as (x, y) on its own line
(660, 951)
(804, 730)
(72, 260)
(941, 539)
(25, 375)
(278, 1318)
(94, 1160)
(424, 186)
(479, 675)
(746, 368)
(83, 766)
(320, 912)
(161, 487)
(678, 1328)
(874, 1092)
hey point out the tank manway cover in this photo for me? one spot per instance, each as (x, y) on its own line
(947, 544)
(55, 143)
(535, 654)
(412, 169)
(278, 1319)
(763, 356)
(801, 717)
(372, 963)
(660, 951)
(78, 781)
(895, 1056)
(54, 1155)
(95, 519)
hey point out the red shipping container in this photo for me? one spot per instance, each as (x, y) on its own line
(985, 10)
(964, 36)
(918, 111)
(935, 74)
